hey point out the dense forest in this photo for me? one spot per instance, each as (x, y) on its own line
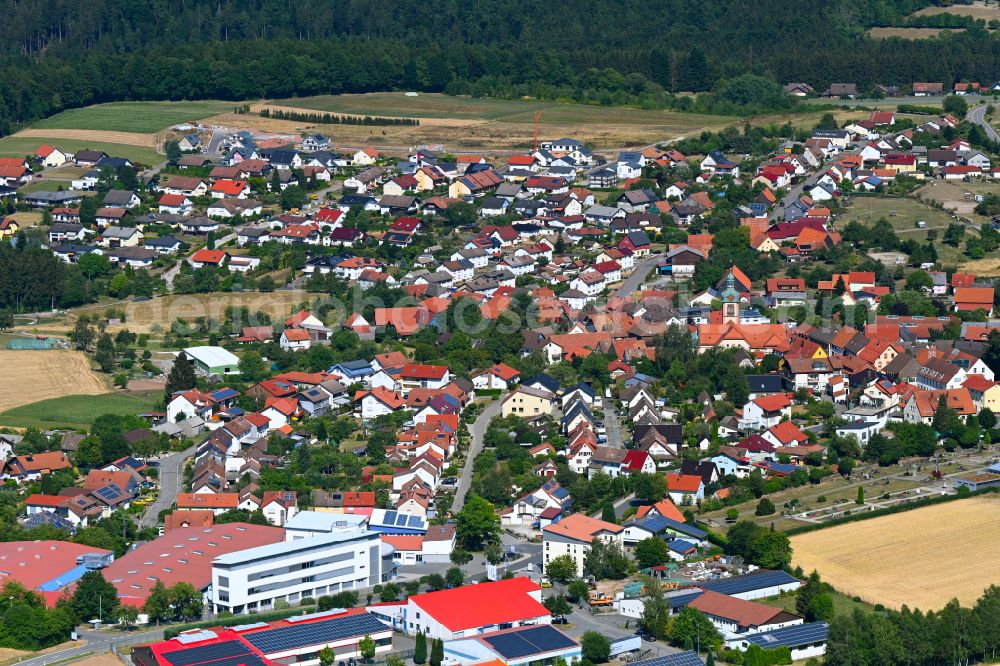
(56, 54)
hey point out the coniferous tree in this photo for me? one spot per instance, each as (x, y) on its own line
(420, 649)
(437, 652)
(181, 377)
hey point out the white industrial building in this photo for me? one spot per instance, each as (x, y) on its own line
(758, 584)
(803, 640)
(467, 611)
(254, 579)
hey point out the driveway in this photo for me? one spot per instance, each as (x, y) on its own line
(171, 471)
(477, 430)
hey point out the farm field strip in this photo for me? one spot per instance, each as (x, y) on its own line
(39, 375)
(133, 117)
(921, 558)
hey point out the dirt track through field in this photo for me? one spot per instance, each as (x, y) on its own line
(97, 136)
(39, 375)
(921, 558)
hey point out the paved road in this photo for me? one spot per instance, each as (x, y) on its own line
(638, 276)
(213, 145)
(478, 430)
(95, 643)
(613, 425)
(171, 472)
(978, 116)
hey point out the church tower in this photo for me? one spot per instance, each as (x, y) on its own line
(730, 302)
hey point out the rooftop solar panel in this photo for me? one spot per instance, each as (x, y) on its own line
(415, 521)
(753, 581)
(207, 653)
(688, 658)
(511, 646)
(547, 638)
(248, 659)
(794, 636)
(390, 518)
(682, 600)
(528, 641)
(282, 639)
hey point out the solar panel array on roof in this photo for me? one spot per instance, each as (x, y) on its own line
(684, 528)
(752, 581)
(224, 394)
(654, 523)
(208, 653)
(108, 493)
(682, 600)
(793, 636)
(248, 659)
(272, 641)
(688, 658)
(402, 520)
(47, 518)
(528, 641)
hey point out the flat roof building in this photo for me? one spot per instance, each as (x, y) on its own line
(520, 646)
(296, 640)
(254, 579)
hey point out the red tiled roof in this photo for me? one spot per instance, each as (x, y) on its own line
(773, 402)
(483, 605)
(206, 256)
(743, 613)
(685, 483)
(581, 527)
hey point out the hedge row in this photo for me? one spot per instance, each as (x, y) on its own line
(270, 616)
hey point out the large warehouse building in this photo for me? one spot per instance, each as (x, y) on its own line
(254, 579)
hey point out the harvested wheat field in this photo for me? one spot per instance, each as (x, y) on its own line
(102, 136)
(922, 558)
(39, 375)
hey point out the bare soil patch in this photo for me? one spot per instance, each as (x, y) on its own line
(103, 136)
(909, 33)
(977, 10)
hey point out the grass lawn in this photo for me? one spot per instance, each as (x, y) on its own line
(19, 146)
(841, 604)
(908, 212)
(146, 117)
(27, 218)
(74, 411)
